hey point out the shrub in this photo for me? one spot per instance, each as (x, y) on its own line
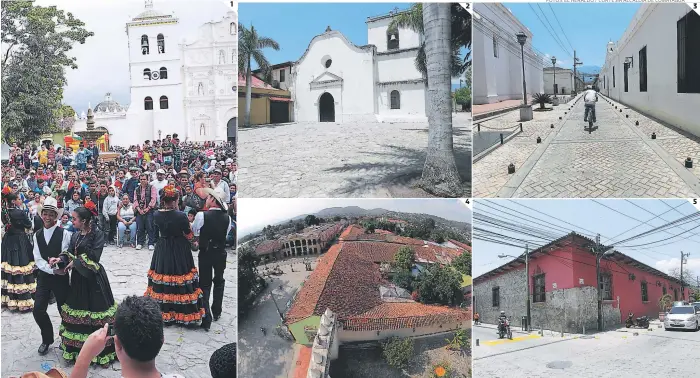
(542, 99)
(398, 352)
(441, 370)
(404, 259)
(403, 279)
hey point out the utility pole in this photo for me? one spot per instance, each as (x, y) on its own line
(527, 278)
(599, 251)
(683, 256)
(576, 63)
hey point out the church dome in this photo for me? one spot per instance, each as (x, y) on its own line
(109, 105)
(150, 13)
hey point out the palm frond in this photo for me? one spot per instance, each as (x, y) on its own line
(411, 19)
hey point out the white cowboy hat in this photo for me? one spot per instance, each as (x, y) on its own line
(51, 205)
(218, 194)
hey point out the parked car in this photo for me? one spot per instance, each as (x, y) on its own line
(680, 303)
(683, 317)
(696, 304)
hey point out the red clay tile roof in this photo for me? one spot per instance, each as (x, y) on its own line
(461, 245)
(347, 280)
(255, 83)
(308, 296)
(396, 315)
(268, 247)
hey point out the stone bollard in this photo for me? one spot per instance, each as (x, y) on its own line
(636, 123)
(689, 163)
(477, 342)
(551, 126)
(501, 138)
(539, 140)
(511, 168)
(653, 135)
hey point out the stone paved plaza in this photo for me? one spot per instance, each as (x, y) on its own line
(185, 352)
(342, 160)
(617, 159)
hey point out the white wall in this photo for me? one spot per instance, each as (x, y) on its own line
(499, 78)
(564, 81)
(653, 26)
(354, 98)
(345, 336)
(376, 35)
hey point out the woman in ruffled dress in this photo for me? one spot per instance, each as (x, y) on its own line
(90, 303)
(173, 280)
(18, 268)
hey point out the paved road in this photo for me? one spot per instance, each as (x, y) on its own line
(270, 355)
(185, 352)
(618, 159)
(609, 354)
(342, 160)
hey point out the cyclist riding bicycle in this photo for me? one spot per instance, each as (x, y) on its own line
(590, 97)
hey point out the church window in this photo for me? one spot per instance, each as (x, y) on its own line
(495, 47)
(163, 73)
(232, 28)
(200, 89)
(163, 102)
(202, 130)
(161, 44)
(328, 63)
(222, 57)
(148, 103)
(392, 40)
(147, 73)
(395, 100)
(282, 75)
(144, 44)
(688, 55)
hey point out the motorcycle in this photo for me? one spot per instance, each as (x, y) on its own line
(476, 319)
(641, 322)
(504, 328)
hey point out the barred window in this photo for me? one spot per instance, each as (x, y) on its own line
(495, 297)
(539, 294)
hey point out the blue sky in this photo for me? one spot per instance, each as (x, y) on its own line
(293, 25)
(588, 27)
(590, 217)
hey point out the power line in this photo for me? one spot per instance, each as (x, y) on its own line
(661, 218)
(548, 31)
(561, 44)
(562, 29)
(592, 233)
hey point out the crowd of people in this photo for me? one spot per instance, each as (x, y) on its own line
(168, 196)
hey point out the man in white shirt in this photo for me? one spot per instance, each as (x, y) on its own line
(590, 97)
(159, 183)
(48, 244)
(218, 183)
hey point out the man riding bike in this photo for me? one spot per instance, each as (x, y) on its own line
(590, 97)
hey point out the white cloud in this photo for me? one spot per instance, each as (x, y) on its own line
(691, 267)
(103, 61)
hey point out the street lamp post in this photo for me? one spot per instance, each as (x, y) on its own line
(600, 251)
(527, 283)
(525, 110)
(554, 75)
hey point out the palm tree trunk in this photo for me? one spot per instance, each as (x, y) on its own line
(248, 92)
(440, 175)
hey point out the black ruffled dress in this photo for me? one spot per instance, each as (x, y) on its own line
(173, 280)
(90, 303)
(18, 268)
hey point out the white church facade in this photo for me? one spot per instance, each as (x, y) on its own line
(499, 58)
(177, 85)
(338, 81)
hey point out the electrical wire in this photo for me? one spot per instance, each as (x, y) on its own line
(562, 29)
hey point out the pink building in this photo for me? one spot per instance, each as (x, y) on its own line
(563, 291)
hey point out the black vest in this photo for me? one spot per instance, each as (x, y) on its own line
(137, 196)
(53, 249)
(214, 229)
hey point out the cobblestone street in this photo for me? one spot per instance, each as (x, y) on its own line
(618, 353)
(185, 352)
(618, 159)
(342, 160)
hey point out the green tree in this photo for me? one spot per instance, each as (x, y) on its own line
(440, 285)
(403, 279)
(463, 263)
(311, 220)
(336, 218)
(398, 352)
(298, 226)
(36, 42)
(463, 96)
(250, 284)
(404, 259)
(250, 48)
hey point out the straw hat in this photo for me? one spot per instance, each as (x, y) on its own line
(218, 194)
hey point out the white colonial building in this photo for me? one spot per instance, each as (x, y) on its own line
(653, 68)
(177, 85)
(559, 80)
(338, 81)
(497, 57)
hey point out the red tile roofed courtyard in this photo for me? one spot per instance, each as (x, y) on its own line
(347, 280)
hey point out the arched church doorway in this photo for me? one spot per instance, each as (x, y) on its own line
(231, 129)
(326, 108)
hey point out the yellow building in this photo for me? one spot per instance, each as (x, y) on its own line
(269, 105)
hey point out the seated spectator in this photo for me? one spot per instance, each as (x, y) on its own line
(222, 363)
(138, 337)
